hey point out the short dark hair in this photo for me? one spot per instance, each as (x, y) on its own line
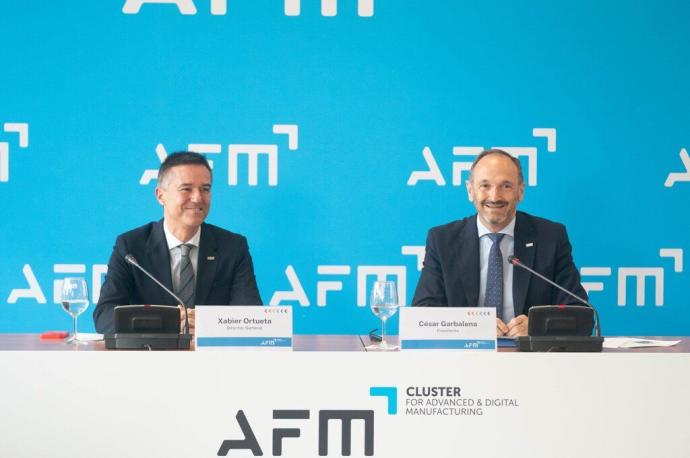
(488, 152)
(181, 158)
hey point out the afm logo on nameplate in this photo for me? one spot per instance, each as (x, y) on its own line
(243, 328)
(448, 328)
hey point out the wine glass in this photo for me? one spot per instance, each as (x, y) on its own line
(384, 304)
(74, 299)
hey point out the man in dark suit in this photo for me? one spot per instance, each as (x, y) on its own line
(466, 261)
(201, 263)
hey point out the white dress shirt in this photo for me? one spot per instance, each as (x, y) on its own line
(176, 254)
(507, 246)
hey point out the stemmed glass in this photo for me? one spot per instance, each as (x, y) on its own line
(384, 304)
(74, 299)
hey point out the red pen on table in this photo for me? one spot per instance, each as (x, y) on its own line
(54, 335)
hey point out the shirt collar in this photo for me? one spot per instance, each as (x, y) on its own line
(508, 230)
(174, 242)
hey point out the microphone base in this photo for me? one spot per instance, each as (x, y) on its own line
(147, 341)
(560, 343)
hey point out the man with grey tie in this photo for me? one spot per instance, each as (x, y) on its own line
(201, 263)
(466, 265)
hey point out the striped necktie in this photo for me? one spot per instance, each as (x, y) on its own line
(185, 291)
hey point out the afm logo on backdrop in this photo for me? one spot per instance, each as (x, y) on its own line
(21, 129)
(237, 154)
(365, 8)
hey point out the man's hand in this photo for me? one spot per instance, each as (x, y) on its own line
(190, 317)
(501, 328)
(517, 326)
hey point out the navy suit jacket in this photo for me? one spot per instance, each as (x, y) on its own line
(225, 273)
(450, 276)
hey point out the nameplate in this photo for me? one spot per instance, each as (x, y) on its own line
(243, 327)
(448, 328)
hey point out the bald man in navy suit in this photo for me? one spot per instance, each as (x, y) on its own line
(457, 264)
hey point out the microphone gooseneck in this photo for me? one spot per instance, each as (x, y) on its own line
(133, 261)
(516, 262)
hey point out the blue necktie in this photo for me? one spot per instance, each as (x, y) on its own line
(494, 276)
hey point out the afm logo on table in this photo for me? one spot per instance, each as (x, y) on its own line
(346, 418)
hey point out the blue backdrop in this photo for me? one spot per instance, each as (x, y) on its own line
(339, 133)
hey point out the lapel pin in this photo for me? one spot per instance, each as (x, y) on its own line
(210, 258)
(530, 244)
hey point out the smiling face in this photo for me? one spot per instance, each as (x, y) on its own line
(495, 189)
(185, 194)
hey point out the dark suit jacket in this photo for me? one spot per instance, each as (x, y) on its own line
(225, 273)
(450, 276)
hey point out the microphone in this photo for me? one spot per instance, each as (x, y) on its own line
(583, 343)
(149, 327)
(133, 261)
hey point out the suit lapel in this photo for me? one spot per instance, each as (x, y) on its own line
(468, 261)
(524, 249)
(206, 265)
(158, 258)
